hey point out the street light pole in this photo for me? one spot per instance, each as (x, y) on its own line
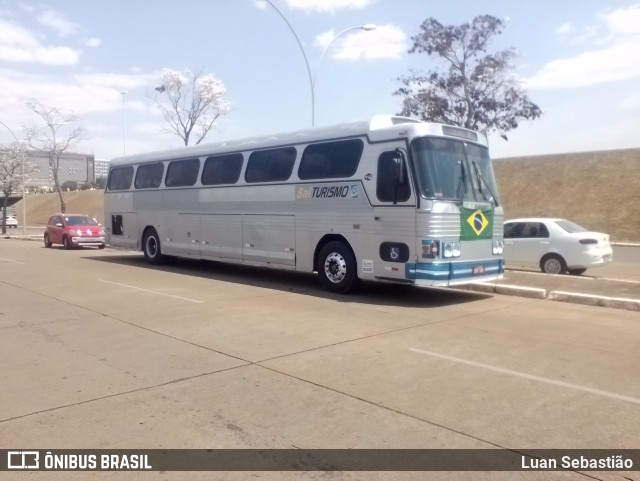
(367, 27)
(24, 186)
(304, 55)
(312, 78)
(124, 138)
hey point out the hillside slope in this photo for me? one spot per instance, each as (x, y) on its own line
(41, 206)
(600, 190)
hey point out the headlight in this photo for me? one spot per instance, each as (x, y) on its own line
(451, 249)
(498, 247)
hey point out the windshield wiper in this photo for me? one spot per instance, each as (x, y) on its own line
(462, 182)
(482, 180)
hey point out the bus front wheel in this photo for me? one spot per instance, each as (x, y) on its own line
(151, 247)
(337, 267)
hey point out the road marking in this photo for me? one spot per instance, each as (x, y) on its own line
(11, 260)
(152, 292)
(568, 385)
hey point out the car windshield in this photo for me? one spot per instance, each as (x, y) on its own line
(571, 227)
(454, 170)
(79, 220)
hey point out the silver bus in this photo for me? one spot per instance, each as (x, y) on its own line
(392, 199)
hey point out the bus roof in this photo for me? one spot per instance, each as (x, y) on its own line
(379, 128)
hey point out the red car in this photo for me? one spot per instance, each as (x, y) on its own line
(73, 230)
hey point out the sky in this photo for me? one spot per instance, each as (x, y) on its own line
(579, 60)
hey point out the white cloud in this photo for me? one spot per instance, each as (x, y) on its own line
(327, 6)
(58, 22)
(17, 44)
(625, 21)
(93, 42)
(385, 42)
(631, 103)
(261, 4)
(617, 58)
(564, 28)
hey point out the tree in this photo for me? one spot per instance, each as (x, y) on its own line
(14, 167)
(69, 185)
(50, 141)
(195, 102)
(477, 91)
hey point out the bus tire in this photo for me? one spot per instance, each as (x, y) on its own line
(151, 247)
(337, 267)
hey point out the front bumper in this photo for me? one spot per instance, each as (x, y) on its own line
(453, 273)
(87, 241)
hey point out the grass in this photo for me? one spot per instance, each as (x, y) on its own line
(599, 190)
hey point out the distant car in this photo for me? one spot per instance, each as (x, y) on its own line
(555, 246)
(73, 230)
(11, 221)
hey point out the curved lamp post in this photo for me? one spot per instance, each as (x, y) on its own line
(312, 78)
(24, 187)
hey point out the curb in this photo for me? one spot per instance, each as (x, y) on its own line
(562, 296)
(591, 300)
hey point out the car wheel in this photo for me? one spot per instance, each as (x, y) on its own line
(101, 246)
(337, 267)
(151, 248)
(47, 241)
(66, 242)
(553, 264)
(577, 272)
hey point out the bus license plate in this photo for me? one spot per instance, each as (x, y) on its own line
(477, 270)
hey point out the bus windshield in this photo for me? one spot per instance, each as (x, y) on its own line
(451, 169)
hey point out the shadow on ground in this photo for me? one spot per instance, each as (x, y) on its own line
(301, 283)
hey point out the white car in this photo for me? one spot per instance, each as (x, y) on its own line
(555, 246)
(11, 221)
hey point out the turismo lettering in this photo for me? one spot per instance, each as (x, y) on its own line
(327, 192)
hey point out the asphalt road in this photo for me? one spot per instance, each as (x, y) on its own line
(98, 350)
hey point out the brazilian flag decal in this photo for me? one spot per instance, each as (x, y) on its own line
(476, 224)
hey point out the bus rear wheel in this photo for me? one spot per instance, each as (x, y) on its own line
(337, 267)
(151, 247)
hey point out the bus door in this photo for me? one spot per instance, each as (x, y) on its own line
(394, 216)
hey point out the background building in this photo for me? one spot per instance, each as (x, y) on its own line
(73, 167)
(101, 168)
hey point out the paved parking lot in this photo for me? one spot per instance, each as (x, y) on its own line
(101, 351)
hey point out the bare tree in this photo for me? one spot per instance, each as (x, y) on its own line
(14, 168)
(50, 141)
(194, 102)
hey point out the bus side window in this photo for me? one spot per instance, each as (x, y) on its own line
(270, 165)
(222, 169)
(391, 185)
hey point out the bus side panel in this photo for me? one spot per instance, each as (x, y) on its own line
(269, 238)
(221, 236)
(121, 223)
